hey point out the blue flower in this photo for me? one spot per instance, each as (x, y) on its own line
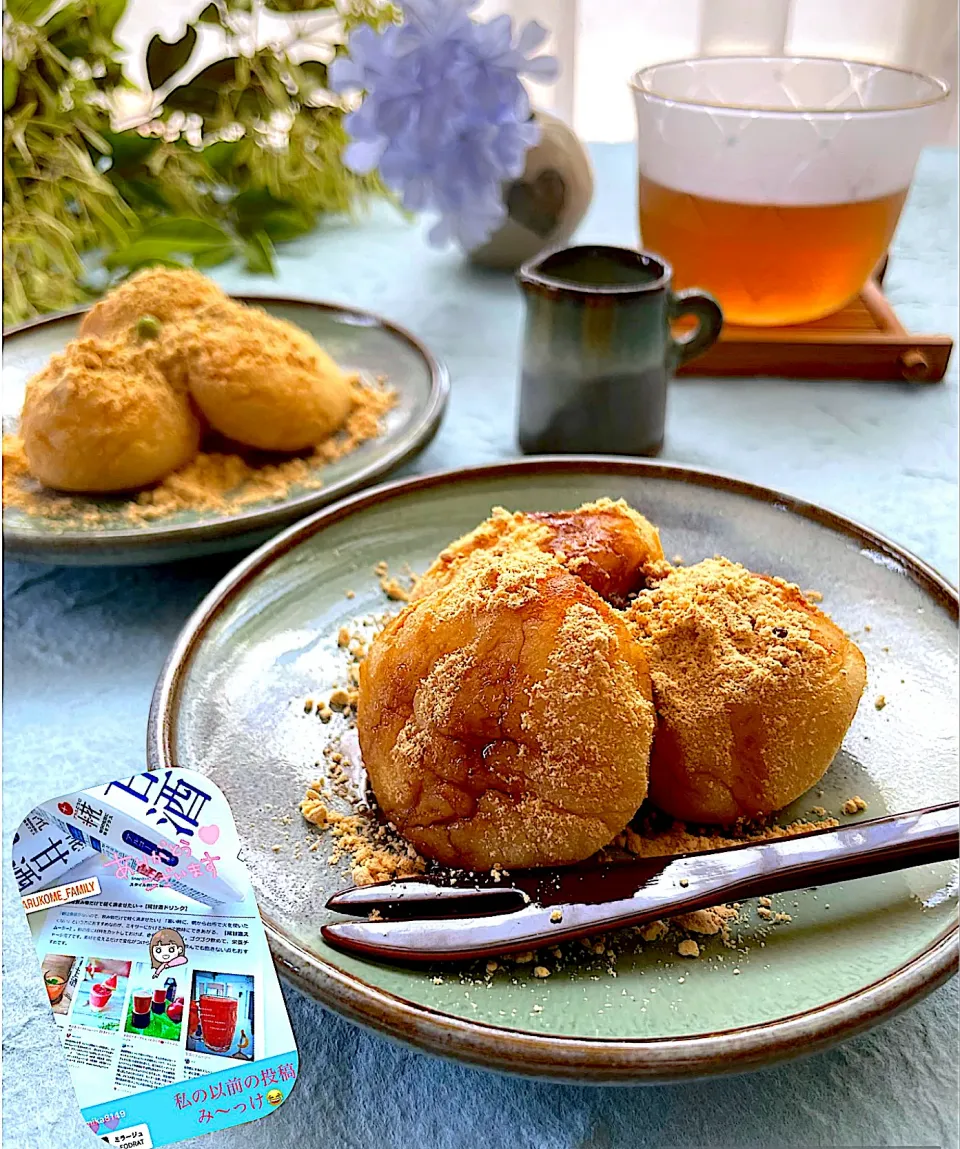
(445, 117)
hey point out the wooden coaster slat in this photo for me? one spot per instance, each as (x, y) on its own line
(865, 340)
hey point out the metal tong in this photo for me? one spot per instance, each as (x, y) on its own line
(422, 920)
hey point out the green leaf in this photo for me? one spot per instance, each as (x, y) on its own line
(129, 149)
(186, 234)
(165, 60)
(64, 18)
(260, 256)
(214, 256)
(143, 253)
(202, 93)
(27, 11)
(257, 209)
(110, 13)
(142, 192)
(221, 155)
(167, 239)
(71, 42)
(11, 85)
(286, 225)
(210, 15)
(249, 205)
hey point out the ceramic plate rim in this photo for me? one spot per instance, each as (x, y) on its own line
(609, 1060)
(25, 544)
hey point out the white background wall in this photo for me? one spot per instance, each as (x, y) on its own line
(612, 38)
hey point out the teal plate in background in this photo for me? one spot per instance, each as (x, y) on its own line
(357, 340)
(230, 703)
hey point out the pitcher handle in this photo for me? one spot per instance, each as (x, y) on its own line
(709, 323)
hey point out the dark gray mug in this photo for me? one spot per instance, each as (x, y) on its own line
(598, 351)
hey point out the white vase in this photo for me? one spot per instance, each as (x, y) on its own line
(546, 204)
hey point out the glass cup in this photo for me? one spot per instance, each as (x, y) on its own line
(100, 996)
(218, 1017)
(55, 986)
(776, 183)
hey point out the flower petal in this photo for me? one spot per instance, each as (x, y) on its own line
(532, 35)
(544, 69)
(362, 156)
(345, 75)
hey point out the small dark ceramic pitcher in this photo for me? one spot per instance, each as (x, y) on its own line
(598, 351)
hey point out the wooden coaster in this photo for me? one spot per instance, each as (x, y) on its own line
(863, 341)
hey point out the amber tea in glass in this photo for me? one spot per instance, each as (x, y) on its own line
(777, 183)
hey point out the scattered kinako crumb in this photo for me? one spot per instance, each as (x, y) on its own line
(678, 838)
(819, 811)
(854, 805)
(391, 586)
(375, 852)
(880, 702)
(556, 916)
(688, 948)
(707, 922)
(654, 931)
(813, 596)
(214, 481)
(540, 971)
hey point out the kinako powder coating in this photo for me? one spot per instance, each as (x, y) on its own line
(373, 851)
(214, 481)
(220, 477)
(271, 405)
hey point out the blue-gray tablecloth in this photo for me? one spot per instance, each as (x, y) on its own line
(82, 650)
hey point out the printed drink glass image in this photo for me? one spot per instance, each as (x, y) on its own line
(54, 985)
(776, 183)
(218, 1018)
(141, 1001)
(99, 996)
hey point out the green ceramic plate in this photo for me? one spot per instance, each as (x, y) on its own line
(229, 703)
(358, 341)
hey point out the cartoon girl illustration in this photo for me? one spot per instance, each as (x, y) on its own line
(167, 949)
